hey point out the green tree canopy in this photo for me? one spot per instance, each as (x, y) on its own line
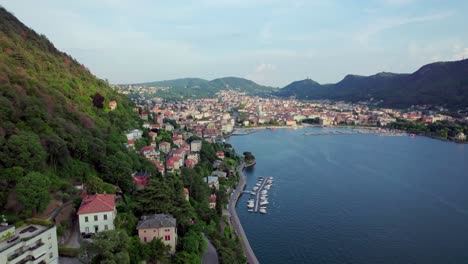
(109, 247)
(33, 191)
(24, 150)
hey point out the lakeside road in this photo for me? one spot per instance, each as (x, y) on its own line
(251, 258)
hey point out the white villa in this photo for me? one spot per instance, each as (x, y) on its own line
(97, 213)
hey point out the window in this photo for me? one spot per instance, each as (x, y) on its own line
(144, 231)
(86, 219)
(50, 246)
(167, 230)
(106, 228)
(167, 237)
(95, 218)
(105, 217)
(144, 239)
(96, 229)
(51, 255)
(86, 229)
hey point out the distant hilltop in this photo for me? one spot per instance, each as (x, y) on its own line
(196, 87)
(440, 83)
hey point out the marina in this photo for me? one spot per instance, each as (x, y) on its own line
(260, 193)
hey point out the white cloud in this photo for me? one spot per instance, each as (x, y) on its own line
(460, 53)
(397, 2)
(263, 73)
(266, 32)
(374, 28)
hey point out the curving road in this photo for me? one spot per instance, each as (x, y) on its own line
(211, 255)
(250, 255)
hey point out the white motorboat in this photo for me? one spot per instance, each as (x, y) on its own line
(263, 211)
(264, 203)
(255, 188)
(264, 192)
(258, 184)
(251, 204)
(251, 210)
(267, 187)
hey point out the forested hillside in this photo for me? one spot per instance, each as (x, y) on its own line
(200, 88)
(441, 83)
(56, 127)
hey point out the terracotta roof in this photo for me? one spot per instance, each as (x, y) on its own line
(213, 198)
(97, 203)
(147, 149)
(141, 181)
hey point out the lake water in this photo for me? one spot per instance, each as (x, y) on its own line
(357, 198)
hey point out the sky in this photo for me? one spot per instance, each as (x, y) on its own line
(272, 42)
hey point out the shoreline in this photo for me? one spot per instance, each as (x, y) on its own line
(258, 128)
(249, 254)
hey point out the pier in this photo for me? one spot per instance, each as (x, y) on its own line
(257, 199)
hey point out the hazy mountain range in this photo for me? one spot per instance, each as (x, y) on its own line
(440, 83)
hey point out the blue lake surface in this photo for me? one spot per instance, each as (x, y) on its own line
(357, 198)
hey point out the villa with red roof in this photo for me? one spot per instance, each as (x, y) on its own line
(97, 213)
(190, 163)
(141, 180)
(212, 203)
(159, 165)
(220, 154)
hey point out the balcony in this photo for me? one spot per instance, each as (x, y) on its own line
(16, 257)
(28, 254)
(40, 259)
(38, 250)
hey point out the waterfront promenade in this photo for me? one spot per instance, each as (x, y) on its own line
(251, 258)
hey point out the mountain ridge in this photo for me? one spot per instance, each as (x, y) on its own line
(193, 87)
(179, 82)
(438, 83)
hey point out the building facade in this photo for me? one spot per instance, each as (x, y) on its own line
(97, 213)
(28, 244)
(158, 226)
(195, 146)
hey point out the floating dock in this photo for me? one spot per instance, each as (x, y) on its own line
(257, 198)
